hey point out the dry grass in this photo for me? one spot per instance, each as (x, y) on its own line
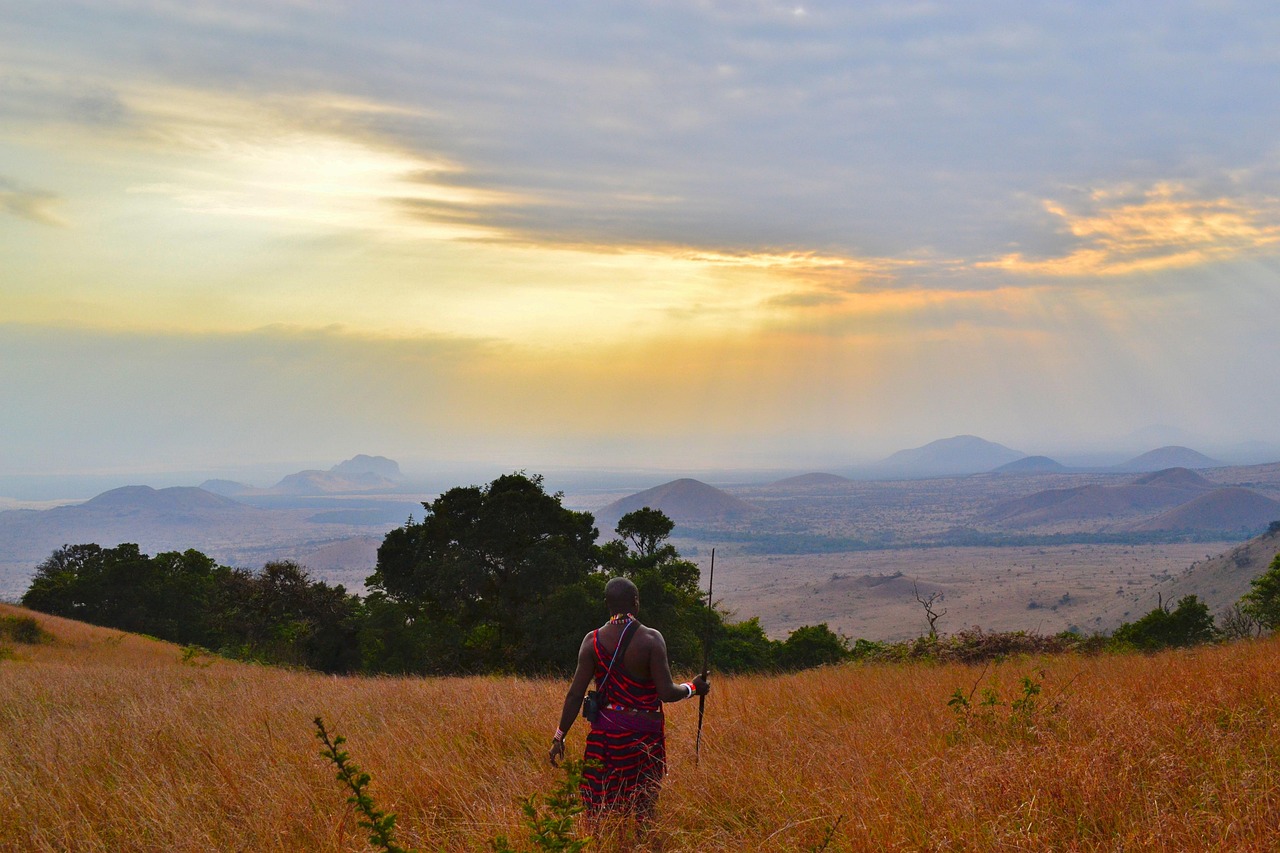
(113, 743)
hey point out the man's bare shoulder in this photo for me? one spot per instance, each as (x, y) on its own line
(650, 636)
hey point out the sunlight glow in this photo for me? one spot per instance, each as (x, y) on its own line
(1165, 229)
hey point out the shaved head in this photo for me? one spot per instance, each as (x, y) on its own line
(621, 596)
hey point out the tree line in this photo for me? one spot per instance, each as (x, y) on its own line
(505, 578)
(494, 578)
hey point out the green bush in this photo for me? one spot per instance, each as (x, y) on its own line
(812, 645)
(1188, 624)
(23, 629)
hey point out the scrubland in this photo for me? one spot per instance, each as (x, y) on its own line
(119, 743)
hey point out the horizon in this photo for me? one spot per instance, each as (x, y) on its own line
(641, 237)
(432, 477)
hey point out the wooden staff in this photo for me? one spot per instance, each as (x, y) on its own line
(706, 658)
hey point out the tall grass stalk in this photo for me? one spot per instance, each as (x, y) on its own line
(381, 825)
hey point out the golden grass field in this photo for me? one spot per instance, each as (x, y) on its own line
(113, 743)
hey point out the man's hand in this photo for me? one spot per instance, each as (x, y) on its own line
(701, 687)
(557, 752)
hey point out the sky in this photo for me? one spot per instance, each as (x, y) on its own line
(631, 233)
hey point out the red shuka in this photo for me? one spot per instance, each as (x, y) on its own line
(626, 753)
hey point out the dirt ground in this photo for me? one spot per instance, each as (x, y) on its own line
(869, 594)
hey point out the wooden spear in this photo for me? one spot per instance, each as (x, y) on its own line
(706, 658)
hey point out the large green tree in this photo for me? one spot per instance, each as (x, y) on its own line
(169, 595)
(670, 596)
(479, 578)
(1262, 601)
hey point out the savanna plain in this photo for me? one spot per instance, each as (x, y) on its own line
(116, 742)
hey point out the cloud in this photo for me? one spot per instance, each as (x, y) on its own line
(39, 206)
(312, 160)
(811, 299)
(871, 129)
(1117, 232)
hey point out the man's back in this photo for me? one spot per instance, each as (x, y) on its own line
(637, 660)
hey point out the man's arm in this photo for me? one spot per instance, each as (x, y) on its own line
(573, 699)
(660, 667)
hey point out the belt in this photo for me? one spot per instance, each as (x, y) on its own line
(638, 712)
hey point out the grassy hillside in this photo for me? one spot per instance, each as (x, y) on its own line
(114, 742)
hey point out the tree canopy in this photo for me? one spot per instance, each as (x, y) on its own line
(277, 615)
(1262, 601)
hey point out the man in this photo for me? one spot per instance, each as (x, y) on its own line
(626, 748)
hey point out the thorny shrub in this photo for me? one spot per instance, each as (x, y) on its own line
(1002, 718)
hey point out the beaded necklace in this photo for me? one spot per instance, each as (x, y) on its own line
(621, 618)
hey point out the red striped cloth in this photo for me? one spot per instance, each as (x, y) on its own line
(626, 754)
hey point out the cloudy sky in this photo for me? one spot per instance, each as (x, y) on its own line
(631, 233)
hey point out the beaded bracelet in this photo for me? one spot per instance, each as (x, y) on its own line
(688, 685)
(559, 735)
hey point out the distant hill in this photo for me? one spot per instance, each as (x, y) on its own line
(138, 500)
(362, 464)
(685, 501)
(1218, 581)
(156, 519)
(962, 454)
(1151, 493)
(179, 518)
(228, 488)
(347, 561)
(1173, 456)
(328, 483)
(1056, 506)
(1177, 478)
(1229, 510)
(1032, 465)
(819, 480)
(358, 474)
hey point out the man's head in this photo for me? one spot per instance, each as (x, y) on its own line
(621, 596)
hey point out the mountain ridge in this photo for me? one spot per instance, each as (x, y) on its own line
(684, 501)
(955, 456)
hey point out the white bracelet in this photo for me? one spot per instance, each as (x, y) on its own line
(688, 685)
(559, 735)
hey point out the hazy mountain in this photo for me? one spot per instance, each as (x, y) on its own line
(1173, 456)
(169, 519)
(185, 517)
(685, 501)
(1032, 465)
(1154, 492)
(358, 474)
(176, 502)
(228, 488)
(362, 464)
(1178, 478)
(328, 483)
(804, 481)
(962, 454)
(1228, 511)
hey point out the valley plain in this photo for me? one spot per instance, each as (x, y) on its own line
(1031, 551)
(870, 594)
(851, 553)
